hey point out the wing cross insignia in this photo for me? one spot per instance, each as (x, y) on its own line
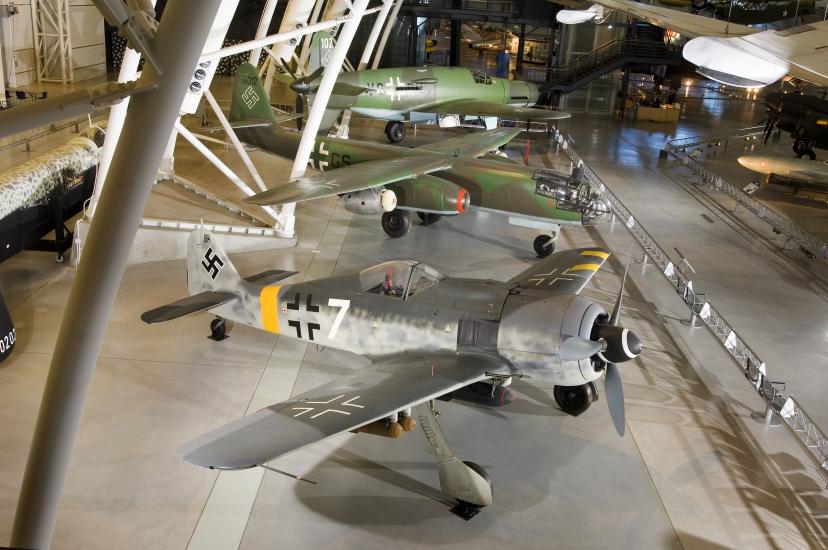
(346, 403)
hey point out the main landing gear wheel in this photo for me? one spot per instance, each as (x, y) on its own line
(396, 223)
(543, 245)
(428, 218)
(574, 399)
(807, 153)
(218, 329)
(395, 131)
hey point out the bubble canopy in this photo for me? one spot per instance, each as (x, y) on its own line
(399, 278)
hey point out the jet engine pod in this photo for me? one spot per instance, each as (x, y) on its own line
(432, 195)
(369, 201)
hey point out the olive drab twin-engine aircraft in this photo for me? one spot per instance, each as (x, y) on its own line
(427, 335)
(434, 180)
(417, 94)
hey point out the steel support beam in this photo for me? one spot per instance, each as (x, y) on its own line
(454, 43)
(179, 41)
(320, 101)
(521, 46)
(384, 40)
(261, 32)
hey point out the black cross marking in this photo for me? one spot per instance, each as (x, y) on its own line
(311, 328)
(298, 326)
(212, 263)
(295, 303)
(310, 307)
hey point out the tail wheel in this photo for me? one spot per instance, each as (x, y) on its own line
(573, 399)
(396, 223)
(218, 329)
(807, 153)
(543, 245)
(395, 131)
(428, 218)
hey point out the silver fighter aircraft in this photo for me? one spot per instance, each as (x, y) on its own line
(428, 336)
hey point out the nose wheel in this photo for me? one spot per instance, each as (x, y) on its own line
(395, 131)
(544, 245)
(396, 223)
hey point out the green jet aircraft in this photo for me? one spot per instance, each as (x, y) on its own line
(419, 94)
(442, 178)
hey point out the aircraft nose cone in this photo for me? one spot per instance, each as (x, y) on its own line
(631, 344)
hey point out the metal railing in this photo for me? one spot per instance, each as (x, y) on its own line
(25, 139)
(791, 231)
(602, 56)
(793, 415)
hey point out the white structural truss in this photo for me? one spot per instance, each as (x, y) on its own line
(52, 41)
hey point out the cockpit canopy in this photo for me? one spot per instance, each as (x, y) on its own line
(400, 279)
(480, 77)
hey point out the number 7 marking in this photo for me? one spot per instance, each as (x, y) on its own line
(343, 306)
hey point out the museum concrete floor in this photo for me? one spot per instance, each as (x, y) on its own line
(694, 470)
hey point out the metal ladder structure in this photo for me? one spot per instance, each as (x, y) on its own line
(793, 416)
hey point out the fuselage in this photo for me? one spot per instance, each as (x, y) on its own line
(805, 170)
(492, 184)
(401, 93)
(405, 307)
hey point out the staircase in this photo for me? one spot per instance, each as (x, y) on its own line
(609, 57)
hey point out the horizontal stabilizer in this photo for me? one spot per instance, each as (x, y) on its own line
(191, 304)
(270, 276)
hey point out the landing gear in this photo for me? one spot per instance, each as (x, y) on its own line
(396, 223)
(427, 218)
(803, 148)
(543, 245)
(465, 481)
(574, 399)
(395, 131)
(218, 329)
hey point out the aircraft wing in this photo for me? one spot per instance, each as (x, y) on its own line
(565, 272)
(803, 49)
(475, 107)
(351, 178)
(682, 22)
(473, 144)
(350, 401)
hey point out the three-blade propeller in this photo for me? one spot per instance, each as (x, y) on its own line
(301, 86)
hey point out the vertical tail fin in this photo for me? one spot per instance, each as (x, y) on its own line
(249, 101)
(208, 267)
(322, 45)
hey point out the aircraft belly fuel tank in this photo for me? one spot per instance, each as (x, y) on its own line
(531, 333)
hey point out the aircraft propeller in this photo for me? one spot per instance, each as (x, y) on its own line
(301, 87)
(621, 345)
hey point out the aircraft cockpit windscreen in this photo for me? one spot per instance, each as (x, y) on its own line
(398, 279)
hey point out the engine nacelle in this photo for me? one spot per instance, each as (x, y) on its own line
(722, 60)
(531, 332)
(369, 201)
(431, 194)
(575, 17)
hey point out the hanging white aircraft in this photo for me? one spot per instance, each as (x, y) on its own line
(733, 54)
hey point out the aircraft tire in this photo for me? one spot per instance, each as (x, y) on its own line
(218, 329)
(807, 153)
(395, 131)
(396, 223)
(543, 245)
(428, 218)
(573, 400)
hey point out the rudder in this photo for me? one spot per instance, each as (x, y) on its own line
(208, 267)
(249, 101)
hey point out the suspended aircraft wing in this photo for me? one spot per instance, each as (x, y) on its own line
(352, 178)
(565, 272)
(683, 23)
(737, 54)
(351, 401)
(473, 144)
(475, 107)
